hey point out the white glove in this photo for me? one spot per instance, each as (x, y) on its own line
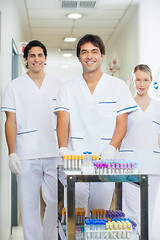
(65, 151)
(108, 153)
(14, 164)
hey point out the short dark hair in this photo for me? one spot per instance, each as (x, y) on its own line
(34, 43)
(94, 39)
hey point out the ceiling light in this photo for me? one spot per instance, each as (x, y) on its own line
(67, 55)
(70, 39)
(74, 15)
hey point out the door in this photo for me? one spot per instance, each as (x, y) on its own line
(14, 210)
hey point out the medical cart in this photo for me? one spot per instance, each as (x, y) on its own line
(69, 178)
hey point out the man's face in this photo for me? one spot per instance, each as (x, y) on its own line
(90, 58)
(36, 59)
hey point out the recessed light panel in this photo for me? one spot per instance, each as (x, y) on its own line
(70, 39)
(74, 15)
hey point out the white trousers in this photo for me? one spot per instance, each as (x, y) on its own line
(131, 202)
(81, 196)
(38, 173)
(155, 230)
(101, 195)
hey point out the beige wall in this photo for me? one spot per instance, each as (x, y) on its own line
(123, 44)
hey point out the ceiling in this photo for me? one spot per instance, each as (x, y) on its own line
(49, 23)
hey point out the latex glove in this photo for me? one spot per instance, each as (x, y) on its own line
(14, 164)
(65, 151)
(108, 153)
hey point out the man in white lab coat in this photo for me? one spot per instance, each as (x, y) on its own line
(30, 128)
(92, 113)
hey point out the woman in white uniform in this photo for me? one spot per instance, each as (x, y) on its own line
(141, 143)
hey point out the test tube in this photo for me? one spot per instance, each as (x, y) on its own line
(117, 171)
(72, 162)
(69, 162)
(115, 227)
(109, 167)
(111, 230)
(121, 167)
(98, 229)
(96, 168)
(124, 167)
(76, 162)
(103, 223)
(78, 217)
(80, 159)
(93, 157)
(94, 213)
(124, 228)
(120, 229)
(65, 162)
(105, 168)
(135, 167)
(112, 168)
(98, 213)
(83, 215)
(107, 228)
(129, 229)
(87, 229)
(64, 216)
(101, 168)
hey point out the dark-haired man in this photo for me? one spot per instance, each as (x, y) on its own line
(30, 132)
(92, 113)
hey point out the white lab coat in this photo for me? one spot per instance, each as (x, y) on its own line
(141, 145)
(93, 119)
(37, 148)
(36, 123)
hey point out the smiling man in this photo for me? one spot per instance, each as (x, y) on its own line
(92, 113)
(30, 133)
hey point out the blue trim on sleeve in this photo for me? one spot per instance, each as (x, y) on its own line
(156, 122)
(106, 139)
(26, 132)
(59, 108)
(156, 152)
(7, 108)
(126, 109)
(127, 150)
(79, 138)
(54, 99)
(106, 102)
(55, 130)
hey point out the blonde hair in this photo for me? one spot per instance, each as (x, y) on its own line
(144, 68)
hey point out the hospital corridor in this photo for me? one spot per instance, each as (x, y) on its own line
(79, 89)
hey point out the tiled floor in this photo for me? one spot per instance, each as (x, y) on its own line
(17, 233)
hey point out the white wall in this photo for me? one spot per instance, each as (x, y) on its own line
(149, 32)
(123, 44)
(14, 25)
(65, 69)
(137, 40)
(62, 68)
(149, 35)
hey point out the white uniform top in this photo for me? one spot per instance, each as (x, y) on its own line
(93, 116)
(36, 122)
(141, 141)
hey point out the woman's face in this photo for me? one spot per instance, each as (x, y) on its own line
(142, 81)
